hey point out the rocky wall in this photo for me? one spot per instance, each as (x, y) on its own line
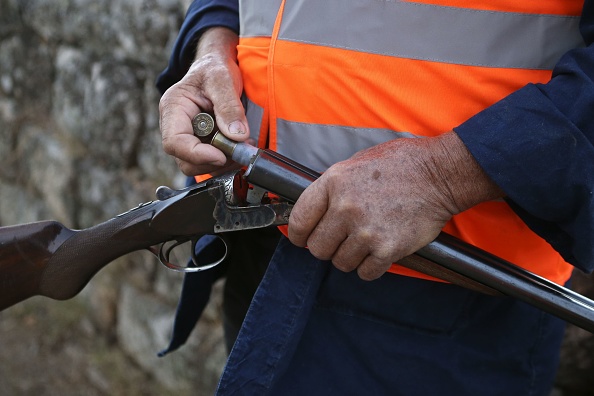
(79, 143)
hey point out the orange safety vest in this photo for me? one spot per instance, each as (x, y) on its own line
(325, 79)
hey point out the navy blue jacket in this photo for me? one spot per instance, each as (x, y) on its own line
(201, 15)
(537, 144)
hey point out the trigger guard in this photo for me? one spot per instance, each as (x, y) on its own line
(164, 257)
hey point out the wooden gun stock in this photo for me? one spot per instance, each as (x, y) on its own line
(25, 251)
(49, 259)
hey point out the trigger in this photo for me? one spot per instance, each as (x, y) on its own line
(197, 264)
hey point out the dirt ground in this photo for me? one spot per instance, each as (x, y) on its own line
(49, 350)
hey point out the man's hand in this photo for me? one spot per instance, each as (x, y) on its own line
(386, 202)
(213, 83)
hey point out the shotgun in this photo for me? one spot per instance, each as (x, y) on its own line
(46, 258)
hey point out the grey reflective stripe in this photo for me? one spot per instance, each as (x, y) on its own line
(319, 146)
(433, 33)
(254, 115)
(256, 18)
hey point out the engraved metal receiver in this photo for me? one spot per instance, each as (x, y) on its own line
(216, 206)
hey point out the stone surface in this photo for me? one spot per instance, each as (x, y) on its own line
(79, 143)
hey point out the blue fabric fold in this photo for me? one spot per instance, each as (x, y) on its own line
(196, 291)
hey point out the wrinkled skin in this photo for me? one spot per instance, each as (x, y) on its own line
(364, 213)
(213, 84)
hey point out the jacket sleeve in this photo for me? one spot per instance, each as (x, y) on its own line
(201, 15)
(538, 146)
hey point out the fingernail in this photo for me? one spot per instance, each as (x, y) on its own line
(236, 128)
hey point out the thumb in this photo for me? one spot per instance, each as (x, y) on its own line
(231, 119)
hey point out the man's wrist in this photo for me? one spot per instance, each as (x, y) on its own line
(219, 40)
(463, 181)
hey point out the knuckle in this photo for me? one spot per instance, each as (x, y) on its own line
(373, 268)
(382, 255)
(366, 235)
(318, 250)
(368, 274)
(334, 173)
(166, 97)
(165, 109)
(170, 96)
(386, 247)
(297, 223)
(230, 106)
(163, 102)
(184, 167)
(169, 146)
(347, 204)
(343, 265)
(201, 68)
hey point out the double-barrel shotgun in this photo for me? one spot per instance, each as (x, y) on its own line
(46, 258)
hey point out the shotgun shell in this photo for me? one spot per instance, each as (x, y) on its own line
(204, 127)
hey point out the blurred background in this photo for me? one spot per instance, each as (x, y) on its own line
(80, 143)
